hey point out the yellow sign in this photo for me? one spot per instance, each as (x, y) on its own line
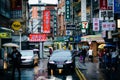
(5, 35)
(16, 25)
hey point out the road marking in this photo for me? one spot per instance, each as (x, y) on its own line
(80, 75)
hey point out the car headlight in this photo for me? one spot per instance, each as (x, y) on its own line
(68, 61)
(51, 62)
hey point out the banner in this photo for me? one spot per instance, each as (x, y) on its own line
(95, 24)
(46, 21)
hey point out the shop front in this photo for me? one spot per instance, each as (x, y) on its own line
(93, 41)
(5, 37)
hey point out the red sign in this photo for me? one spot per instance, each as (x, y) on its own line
(37, 37)
(46, 21)
(16, 4)
(103, 5)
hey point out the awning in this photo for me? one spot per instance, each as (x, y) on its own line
(89, 38)
(3, 29)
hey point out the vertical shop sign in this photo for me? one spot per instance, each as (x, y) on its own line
(116, 6)
(46, 21)
(103, 5)
(34, 13)
(67, 9)
(95, 24)
(83, 10)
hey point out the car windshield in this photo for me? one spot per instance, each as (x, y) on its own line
(27, 53)
(61, 53)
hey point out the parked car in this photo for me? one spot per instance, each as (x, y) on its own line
(61, 59)
(28, 57)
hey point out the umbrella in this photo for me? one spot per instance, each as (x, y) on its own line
(109, 46)
(101, 46)
(10, 45)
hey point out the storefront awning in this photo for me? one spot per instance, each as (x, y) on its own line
(89, 38)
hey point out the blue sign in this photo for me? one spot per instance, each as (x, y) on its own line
(116, 6)
(77, 38)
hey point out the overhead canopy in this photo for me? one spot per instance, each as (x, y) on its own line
(89, 38)
(3, 29)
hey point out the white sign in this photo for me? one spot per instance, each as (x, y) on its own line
(95, 24)
(108, 26)
(83, 10)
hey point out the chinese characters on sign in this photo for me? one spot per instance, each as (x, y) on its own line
(37, 37)
(106, 26)
(103, 5)
(46, 21)
(67, 9)
(95, 24)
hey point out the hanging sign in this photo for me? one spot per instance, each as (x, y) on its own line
(16, 25)
(84, 24)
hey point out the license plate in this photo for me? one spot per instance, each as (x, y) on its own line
(60, 66)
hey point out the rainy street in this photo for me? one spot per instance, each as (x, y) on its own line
(37, 73)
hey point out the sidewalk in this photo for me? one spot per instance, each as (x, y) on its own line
(92, 71)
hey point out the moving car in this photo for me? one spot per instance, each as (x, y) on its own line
(28, 57)
(61, 59)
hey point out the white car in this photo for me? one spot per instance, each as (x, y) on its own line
(28, 57)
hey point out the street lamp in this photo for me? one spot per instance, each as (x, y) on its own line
(20, 32)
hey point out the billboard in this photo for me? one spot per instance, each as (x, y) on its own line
(46, 21)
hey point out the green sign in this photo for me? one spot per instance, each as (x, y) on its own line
(67, 9)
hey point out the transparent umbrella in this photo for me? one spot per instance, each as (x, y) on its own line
(10, 45)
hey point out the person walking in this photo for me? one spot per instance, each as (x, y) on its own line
(107, 59)
(84, 52)
(16, 61)
(50, 51)
(114, 57)
(90, 55)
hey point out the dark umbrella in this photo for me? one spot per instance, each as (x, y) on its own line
(109, 46)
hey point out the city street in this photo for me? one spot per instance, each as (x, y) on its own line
(88, 70)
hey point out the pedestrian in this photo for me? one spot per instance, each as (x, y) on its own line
(107, 59)
(50, 51)
(16, 61)
(114, 57)
(84, 52)
(90, 55)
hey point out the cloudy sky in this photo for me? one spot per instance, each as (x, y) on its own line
(43, 1)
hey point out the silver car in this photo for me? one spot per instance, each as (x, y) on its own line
(28, 57)
(61, 59)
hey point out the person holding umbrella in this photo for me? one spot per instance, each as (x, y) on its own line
(16, 60)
